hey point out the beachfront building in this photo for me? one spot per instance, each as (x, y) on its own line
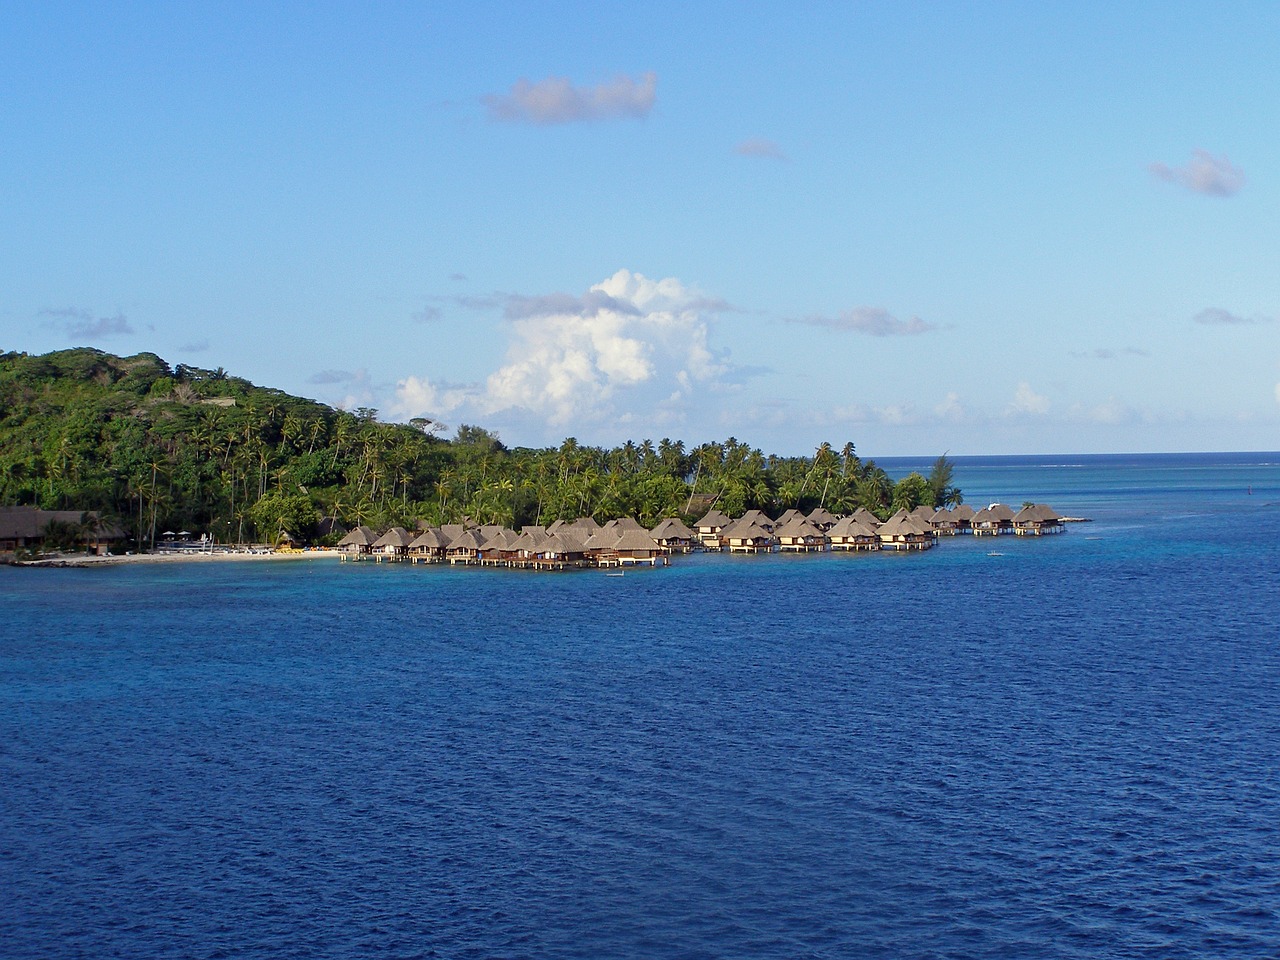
(26, 528)
(800, 536)
(358, 543)
(392, 545)
(849, 533)
(1037, 519)
(993, 520)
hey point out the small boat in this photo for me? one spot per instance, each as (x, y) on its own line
(994, 553)
(618, 574)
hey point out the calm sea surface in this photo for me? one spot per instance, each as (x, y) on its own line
(1071, 749)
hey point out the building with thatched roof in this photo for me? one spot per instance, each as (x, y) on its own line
(673, 536)
(392, 545)
(963, 514)
(638, 546)
(944, 523)
(1037, 519)
(358, 543)
(24, 528)
(709, 528)
(428, 546)
(866, 517)
(993, 520)
(800, 536)
(903, 531)
(849, 533)
(746, 536)
(465, 548)
(758, 517)
(786, 517)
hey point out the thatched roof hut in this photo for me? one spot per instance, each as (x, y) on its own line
(358, 542)
(1037, 519)
(849, 533)
(799, 535)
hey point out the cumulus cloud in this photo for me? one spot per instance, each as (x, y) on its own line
(951, 408)
(1204, 174)
(872, 321)
(80, 324)
(572, 357)
(1027, 401)
(760, 148)
(1217, 317)
(556, 100)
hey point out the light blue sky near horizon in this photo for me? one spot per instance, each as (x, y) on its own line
(326, 201)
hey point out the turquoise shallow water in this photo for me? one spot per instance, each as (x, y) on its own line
(1070, 750)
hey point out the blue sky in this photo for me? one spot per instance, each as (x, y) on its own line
(983, 228)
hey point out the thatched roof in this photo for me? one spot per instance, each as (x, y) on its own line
(467, 540)
(996, 513)
(902, 524)
(430, 539)
(600, 540)
(1037, 513)
(395, 537)
(850, 527)
(714, 519)
(962, 511)
(822, 517)
(30, 523)
(585, 524)
(757, 516)
(865, 516)
(361, 536)
(746, 530)
(452, 531)
(672, 529)
(787, 517)
(798, 529)
(636, 540)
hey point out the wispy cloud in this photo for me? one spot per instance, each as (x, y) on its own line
(872, 321)
(1107, 353)
(195, 346)
(427, 314)
(80, 324)
(556, 100)
(1204, 174)
(331, 376)
(1217, 317)
(760, 148)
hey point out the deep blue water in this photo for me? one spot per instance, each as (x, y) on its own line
(1068, 750)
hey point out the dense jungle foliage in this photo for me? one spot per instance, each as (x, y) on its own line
(155, 448)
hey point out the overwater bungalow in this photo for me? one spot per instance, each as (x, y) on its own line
(465, 548)
(636, 547)
(924, 514)
(849, 533)
(709, 528)
(392, 545)
(561, 551)
(963, 514)
(499, 548)
(357, 544)
(584, 526)
(993, 520)
(903, 531)
(1036, 520)
(746, 536)
(673, 536)
(428, 547)
(800, 536)
(944, 523)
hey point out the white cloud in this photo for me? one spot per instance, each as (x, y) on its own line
(1204, 174)
(1027, 401)
(80, 324)
(760, 148)
(556, 100)
(571, 357)
(951, 408)
(873, 321)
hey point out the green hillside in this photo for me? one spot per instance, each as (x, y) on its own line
(160, 448)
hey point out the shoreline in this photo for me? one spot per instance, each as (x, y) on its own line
(64, 561)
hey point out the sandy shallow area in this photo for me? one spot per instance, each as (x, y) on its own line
(227, 556)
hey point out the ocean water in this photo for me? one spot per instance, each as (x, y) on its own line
(1067, 749)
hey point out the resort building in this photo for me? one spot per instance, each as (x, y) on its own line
(849, 533)
(822, 518)
(710, 527)
(800, 536)
(673, 536)
(1036, 520)
(392, 545)
(746, 536)
(358, 543)
(993, 520)
(903, 531)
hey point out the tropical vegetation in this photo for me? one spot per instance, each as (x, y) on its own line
(159, 448)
